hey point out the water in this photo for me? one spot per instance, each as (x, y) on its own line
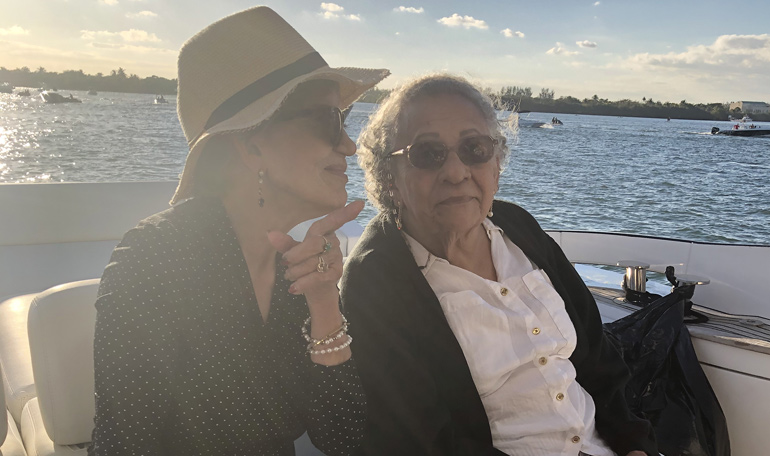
(628, 175)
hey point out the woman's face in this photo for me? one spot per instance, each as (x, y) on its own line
(456, 197)
(303, 170)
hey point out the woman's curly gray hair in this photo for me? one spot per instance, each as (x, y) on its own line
(377, 140)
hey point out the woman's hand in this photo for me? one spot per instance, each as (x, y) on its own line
(315, 267)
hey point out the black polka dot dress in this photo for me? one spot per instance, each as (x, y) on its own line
(185, 364)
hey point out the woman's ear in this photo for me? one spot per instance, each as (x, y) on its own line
(248, 151)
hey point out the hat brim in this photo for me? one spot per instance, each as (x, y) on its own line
(353, 82)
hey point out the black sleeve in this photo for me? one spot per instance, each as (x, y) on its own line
(406, 414)
(336, 413)
(133, 352)
(600, 368)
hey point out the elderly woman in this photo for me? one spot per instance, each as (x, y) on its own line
(474, 333)
(216, 333)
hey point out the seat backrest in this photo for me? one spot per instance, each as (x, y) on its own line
(3, 419)
(61, 341)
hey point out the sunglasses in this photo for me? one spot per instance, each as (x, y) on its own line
(473, 150)
(328, 122)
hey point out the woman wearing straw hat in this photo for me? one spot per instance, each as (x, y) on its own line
(216, 333)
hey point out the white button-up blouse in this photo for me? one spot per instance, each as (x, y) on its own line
(517, 339)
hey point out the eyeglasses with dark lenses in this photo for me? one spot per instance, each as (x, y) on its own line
(473, 150)
(328, 122)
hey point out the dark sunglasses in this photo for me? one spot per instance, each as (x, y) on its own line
(473, 150)
(328, 121)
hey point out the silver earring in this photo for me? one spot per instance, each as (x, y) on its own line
(261, 175)
(397, 209)
(397, 213)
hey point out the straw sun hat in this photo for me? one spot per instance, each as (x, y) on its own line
(236, 72)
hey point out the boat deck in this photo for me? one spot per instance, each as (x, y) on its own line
(740, 331)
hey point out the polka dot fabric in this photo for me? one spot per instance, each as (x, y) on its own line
(185, 364)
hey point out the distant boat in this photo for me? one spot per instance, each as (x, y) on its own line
(92, 92)
(745, 118)
(23, 93)
(160, 100)
(743, 129)
(52, 97)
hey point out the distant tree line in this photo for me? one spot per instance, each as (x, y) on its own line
(117, 81)
(521, 99)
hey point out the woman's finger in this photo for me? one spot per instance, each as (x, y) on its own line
(309, 282)
(310, 265)
(335, 219)
(281, 241)
(313, 244)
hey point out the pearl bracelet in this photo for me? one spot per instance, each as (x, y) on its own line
(331, 337)
(333, 349)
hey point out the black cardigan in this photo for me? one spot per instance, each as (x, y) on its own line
(422, 399)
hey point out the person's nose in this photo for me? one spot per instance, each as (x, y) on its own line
(346, 146)
(454, 170)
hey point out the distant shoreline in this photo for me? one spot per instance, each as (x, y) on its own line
(510, 98)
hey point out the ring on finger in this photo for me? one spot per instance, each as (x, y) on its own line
(327, 244)
(322, 266)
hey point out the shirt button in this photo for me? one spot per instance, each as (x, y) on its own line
(576, 439)
(504, 291)
(543, 361)
(560, 397)
(536, 331)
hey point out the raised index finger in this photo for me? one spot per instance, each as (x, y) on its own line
(335, 219)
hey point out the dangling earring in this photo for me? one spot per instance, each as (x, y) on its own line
(397, 213)
(397, 209)
(490, 213)
(261, 175)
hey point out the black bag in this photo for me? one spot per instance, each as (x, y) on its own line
(667, 385)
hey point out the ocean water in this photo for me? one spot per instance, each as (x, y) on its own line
(620, 174)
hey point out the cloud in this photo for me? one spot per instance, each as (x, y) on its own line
(597, 3)
(129, 36)
(467, 22)
(727, 51)
(13, 30)
(141, 14)
(559, 49)
(331, 7)
(508, 33)
(586, 44)
(409, 9)
(109, 2)
(334, 11)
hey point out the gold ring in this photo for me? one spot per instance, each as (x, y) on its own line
(323, 266)
(327, 244)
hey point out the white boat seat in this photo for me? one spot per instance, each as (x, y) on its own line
(36, 441)
(61, 342)
(10, 442)
(15, 360)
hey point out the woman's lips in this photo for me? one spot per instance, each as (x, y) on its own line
(452, 200)
(337, 170)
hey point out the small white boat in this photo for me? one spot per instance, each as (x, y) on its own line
(55, 240)
(54, 97)
(160, 99)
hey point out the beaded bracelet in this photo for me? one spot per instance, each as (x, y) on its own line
(333, 349)
(331, 337)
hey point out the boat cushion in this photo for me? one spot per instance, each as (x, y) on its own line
(15, 361)
(36, 440)
(61, 339)
(12, 445)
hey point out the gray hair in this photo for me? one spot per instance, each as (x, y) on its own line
(378, 138)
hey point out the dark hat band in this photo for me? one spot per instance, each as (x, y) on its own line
(261, 87)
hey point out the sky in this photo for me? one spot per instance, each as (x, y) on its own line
(695, 50)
